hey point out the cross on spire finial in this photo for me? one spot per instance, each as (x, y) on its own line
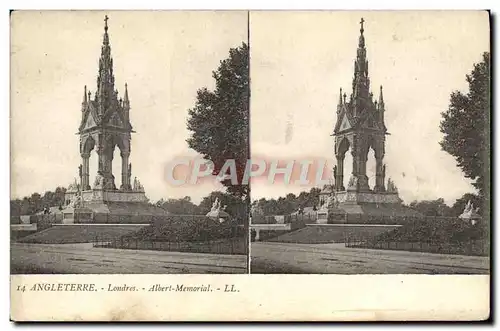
(106, 18)
(361, 22)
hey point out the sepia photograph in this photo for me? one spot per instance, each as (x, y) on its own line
(250, 165)
(108, 109)
(374, 131)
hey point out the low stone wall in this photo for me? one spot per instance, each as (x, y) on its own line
(23, 227)
(103, 218)
(114, 196)
(265, 231)
(111, 196)
(367, 197)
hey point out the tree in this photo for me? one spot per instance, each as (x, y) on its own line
(36, 203)
(182, 206)
(432, 207)
(219, 120)
(459, 205)
(59, 196)
(235, 206)
(289, 204)
(15, 207)
(465, 126)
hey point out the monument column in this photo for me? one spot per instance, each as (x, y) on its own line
(362, 166)
(380, 167)
(108, 169)
(380, 175)
(359, 180)
(100, 160)
(85, 171)
(339, 180)
(109, 162)
(362, 177)
(105, 156)
(353, 180)
(125, 171)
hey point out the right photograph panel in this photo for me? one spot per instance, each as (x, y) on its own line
(370, 142)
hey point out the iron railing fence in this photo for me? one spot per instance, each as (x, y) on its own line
(237, 245)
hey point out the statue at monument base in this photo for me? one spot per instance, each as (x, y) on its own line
(470, 214)
(104, 202)
(99, 182)
(326, 202)
(217, 213)
(337, 206)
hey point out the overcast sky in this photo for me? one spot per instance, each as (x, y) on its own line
(163, 56)
(299, 60)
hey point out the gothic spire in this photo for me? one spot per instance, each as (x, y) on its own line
(361, 37)
(84, 95)
(381, 99)
(126, 101)
(361, 82)
(84, 100)
(106, 37)
(105, 81)
(126, 104)
(381, 109)
(339, 105)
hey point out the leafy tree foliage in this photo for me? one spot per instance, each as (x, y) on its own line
(288, 204)
(459, 205)
(219, 120)
(182, 206)
(432, 207)
(466, 126)
(235, 206)
(36, 202)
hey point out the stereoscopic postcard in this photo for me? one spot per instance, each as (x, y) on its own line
(250, 165)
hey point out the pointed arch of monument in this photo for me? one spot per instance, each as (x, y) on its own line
(378, 145)
(374, 142)
(370, 143)
(123, 144)
(343, 144)
(87, 144)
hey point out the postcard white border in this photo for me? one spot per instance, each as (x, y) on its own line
(429, 286)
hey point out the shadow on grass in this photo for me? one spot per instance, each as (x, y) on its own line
(30, 269)
(264, 267)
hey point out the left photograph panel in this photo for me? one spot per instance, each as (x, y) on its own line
(129, 140)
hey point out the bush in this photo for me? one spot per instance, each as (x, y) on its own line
(261, 219)
(15, 220)
(43, 221)
(336, 218)
(440, 235)
(185, 229)
(435, 230)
